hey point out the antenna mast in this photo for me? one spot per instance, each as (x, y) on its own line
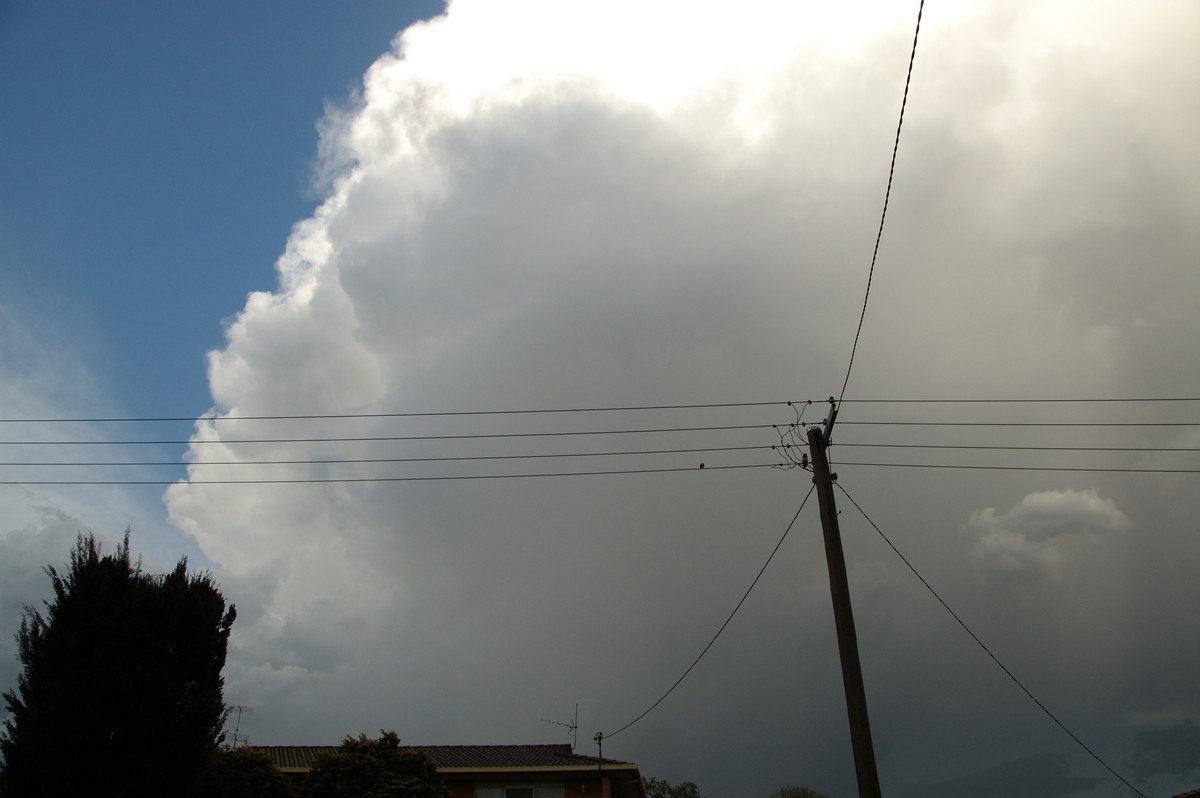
(572, 727)
(237, 726)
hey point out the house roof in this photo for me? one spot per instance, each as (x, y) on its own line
(1189, 794)
(487, 757)
(449, 758)
(293, 757)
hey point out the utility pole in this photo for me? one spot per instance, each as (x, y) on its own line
(843, 616)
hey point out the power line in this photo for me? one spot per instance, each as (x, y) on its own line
(886, 197)
(1026, 468)
(429, 414)
(977, 447)
(566, 410)
(783, 448)
(982, 645)
(379, 438)
(369, 460)
(1022, 401)
(695, 450)
(311, 480)
(1020, 423)
(696, 661)
(568, 433)
(783, 432)
(443, 478)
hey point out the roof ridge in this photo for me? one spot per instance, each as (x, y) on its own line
(487, 745)
(457, 757)
(432, 745)
(256, 745)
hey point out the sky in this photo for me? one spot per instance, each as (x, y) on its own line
(336, 263)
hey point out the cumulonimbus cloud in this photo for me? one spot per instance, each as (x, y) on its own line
(563, 206)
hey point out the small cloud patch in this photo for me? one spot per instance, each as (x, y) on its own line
(1027, 542)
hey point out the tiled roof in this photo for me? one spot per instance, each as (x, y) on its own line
(469, 757)
(294, 756)
(511, 756)
(1189, 794)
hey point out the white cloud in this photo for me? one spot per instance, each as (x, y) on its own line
(25, 553)
(656, 209)
(49, 370)
(1026, 543)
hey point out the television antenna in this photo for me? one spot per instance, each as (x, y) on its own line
(572, 727)
(240, 709)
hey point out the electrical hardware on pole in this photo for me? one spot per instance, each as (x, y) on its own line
(833, 411)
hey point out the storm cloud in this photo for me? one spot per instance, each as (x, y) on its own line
(547, 206)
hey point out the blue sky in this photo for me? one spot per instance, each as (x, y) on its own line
(155, 158)
(533, 204)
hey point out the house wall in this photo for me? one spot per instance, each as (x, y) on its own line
(574, 787)
(461, 789)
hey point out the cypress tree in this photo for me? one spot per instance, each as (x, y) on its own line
(120, 692)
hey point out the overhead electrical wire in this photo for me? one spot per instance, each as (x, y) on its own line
(700, 439)
(983, 645)
(428, 414)
(574, 433)
(368, 460)
(589, 409)
(887, 195)
(977, 447)
(300, 450)
(552, 455)
(1100, 469)
(1020, 423)
(381, 438)
(441, 478)
(609, 472)
(1028, 401)
(741, 601)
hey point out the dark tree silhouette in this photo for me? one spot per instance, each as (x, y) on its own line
(797, 792)
(661, 788)
(241, 773)
(120, 690)
(363, 767)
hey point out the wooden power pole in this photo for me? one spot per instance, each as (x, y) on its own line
(843, 616)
